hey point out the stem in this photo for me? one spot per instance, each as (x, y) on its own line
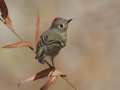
(12, 31)
(68, 82)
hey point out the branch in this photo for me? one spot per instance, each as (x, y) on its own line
(68, 82)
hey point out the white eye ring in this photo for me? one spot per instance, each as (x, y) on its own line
(61, 26)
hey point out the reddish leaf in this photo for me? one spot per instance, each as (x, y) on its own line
(8, 22)
(37, 30)
(18, 44)
(3, 9)
(49, 82)
(5, 16)
(45, 73)
(52, 79)
(37, 76)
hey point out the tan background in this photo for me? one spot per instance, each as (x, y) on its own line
(91, 58)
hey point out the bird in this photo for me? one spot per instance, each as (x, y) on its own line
(52, 40)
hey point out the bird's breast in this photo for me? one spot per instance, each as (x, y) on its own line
(52, 35)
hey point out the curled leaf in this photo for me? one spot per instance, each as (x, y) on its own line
(18, 44)
(49, 82)
(37, 30)
(3, 9)
(37, 76)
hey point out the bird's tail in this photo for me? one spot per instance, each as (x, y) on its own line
(41, 55)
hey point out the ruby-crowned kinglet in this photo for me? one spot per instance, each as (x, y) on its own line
(52, 40)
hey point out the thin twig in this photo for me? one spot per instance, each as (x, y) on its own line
(69, 82)
(12, 31)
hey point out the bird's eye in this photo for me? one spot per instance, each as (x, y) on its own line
(61, 26)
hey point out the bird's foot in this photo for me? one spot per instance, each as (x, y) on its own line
(53, 68)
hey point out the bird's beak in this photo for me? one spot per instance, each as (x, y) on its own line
(69, 21)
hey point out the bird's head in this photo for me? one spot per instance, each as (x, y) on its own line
(60, 24)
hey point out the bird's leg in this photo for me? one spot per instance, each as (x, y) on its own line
(48, 64)
(53, 65)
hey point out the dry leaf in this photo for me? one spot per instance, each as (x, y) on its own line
(3, 9)
(49, 82)
(52, 79)
(18, 44)
(45, 73)
(8, 22)
(37, 30)
(37, 76)
(5, 16)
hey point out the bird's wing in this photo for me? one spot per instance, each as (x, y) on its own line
(41, 50)
(57, 43)
(38, 45)
(41, 42)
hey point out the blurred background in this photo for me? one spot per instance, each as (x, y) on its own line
(91, 57)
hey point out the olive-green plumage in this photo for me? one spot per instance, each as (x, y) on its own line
(52, 40)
